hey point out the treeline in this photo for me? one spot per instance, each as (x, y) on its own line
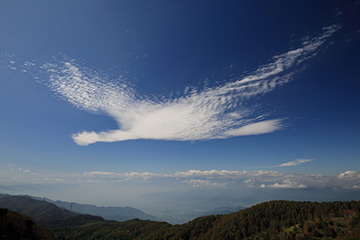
(269, 220)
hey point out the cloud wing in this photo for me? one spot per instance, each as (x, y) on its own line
(210, 113)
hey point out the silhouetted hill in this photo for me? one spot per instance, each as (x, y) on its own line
(45, 213)
(269, 220)
(17, 226)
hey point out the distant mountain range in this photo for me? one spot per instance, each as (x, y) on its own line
(45, 213)
(223, 210)
(128, 213)
(110, 213)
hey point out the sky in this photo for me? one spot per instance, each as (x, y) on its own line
(133, 100)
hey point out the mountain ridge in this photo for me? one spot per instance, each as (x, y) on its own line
(109, 213)
(45, 213)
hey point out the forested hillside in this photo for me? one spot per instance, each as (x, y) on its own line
(269, 220)
(276, 220)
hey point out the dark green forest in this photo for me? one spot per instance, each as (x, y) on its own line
(268, 220)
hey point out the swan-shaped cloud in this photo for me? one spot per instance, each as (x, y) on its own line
(209, 113)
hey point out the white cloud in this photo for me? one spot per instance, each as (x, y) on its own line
(126, 175)
(203, 183)
(56, 180)
(249, 182)
(349, 175)
(257, 128)
(250, 179)
(218, 175)
(210, 113)
(285, 184)
(294, 163)
(196, 178)
(100, 173)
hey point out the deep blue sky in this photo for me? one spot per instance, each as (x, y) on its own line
(160, 48)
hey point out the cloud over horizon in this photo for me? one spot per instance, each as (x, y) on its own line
(221, 179)
(235, 179)
(210, 113)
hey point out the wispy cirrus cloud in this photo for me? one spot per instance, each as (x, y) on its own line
(294, 163)
(210, 113)
(286, 164)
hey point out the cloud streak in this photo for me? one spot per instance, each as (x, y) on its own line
(229, 179)
(210, 113)
(294, 163)
(235, 179)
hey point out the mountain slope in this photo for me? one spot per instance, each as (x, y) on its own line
(132, 229)
(223, 210)
(17, 226)
(276, 220)
(46, 214)
(269, 220)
